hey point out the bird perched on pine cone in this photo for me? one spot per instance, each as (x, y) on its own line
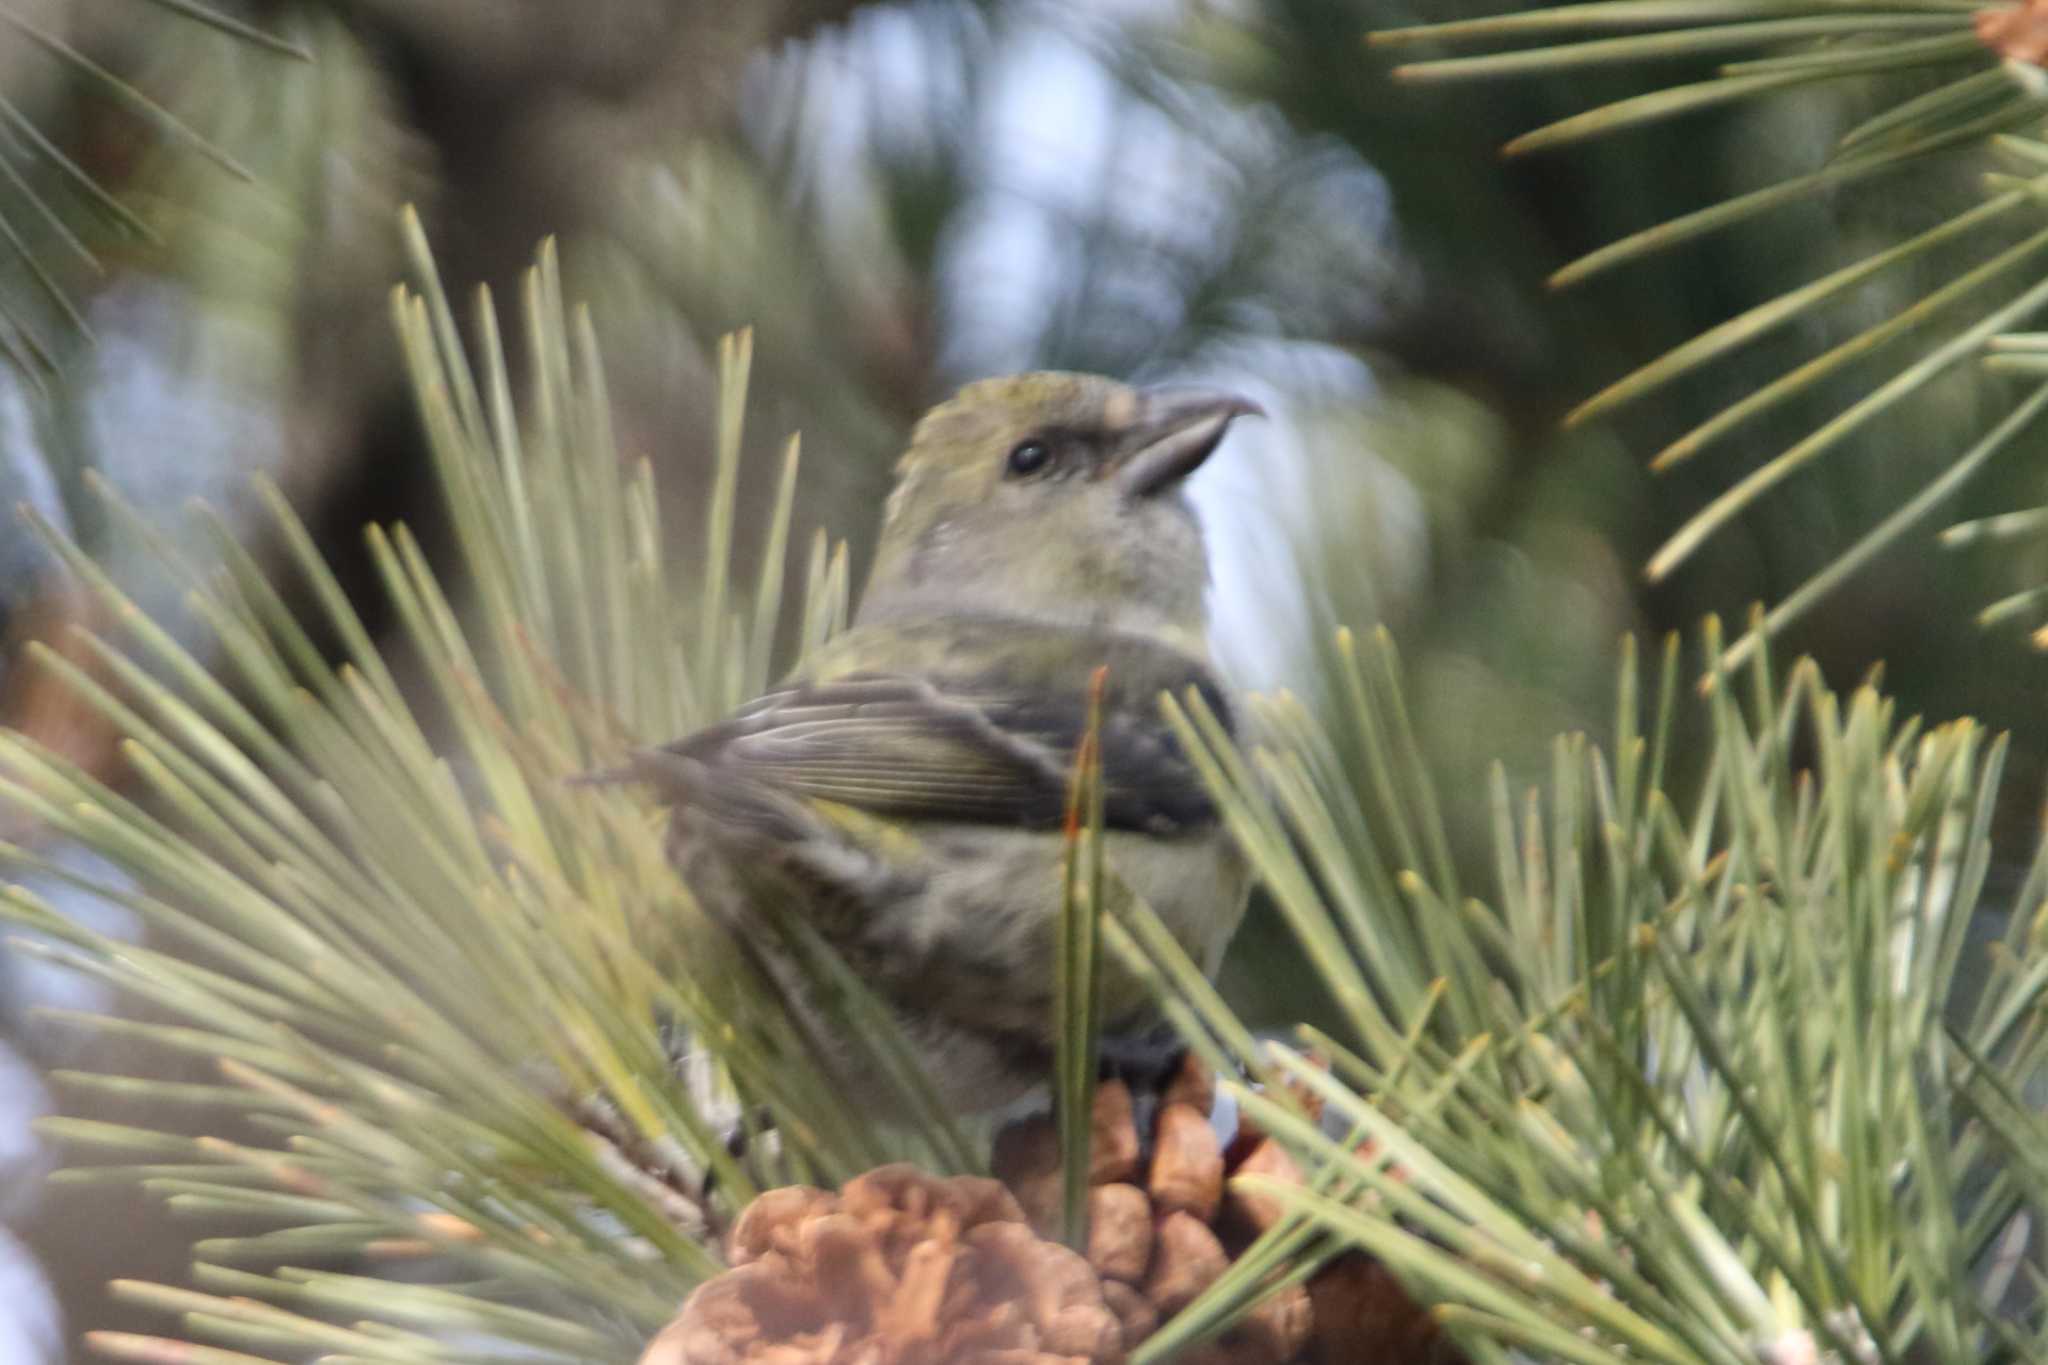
(904, 791)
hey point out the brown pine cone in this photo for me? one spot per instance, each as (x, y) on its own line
(1164, 1222)
(903, 1268)
(898, 1268)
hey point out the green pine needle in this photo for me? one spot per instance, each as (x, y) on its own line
(1077, 984)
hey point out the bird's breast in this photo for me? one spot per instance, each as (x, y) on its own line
(992, 897)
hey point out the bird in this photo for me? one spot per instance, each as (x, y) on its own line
(903, 791)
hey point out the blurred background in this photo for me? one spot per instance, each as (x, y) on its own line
(900, 197)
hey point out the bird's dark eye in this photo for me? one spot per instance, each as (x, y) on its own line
(1028, 458)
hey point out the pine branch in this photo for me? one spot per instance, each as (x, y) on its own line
(1987, 86)
(464, 1011)
(1683, 1089)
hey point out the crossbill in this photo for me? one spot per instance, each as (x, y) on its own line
(904, 791)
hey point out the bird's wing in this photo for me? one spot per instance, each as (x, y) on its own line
(907, 748)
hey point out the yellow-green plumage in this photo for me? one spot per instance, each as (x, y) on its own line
(903, 791)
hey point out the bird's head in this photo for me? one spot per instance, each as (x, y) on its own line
(1056, 497)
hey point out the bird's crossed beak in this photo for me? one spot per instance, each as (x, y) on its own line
(1170, 433)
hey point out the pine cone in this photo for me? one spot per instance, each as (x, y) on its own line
(902, 1268)
(1161, 1233)
(898, 1268)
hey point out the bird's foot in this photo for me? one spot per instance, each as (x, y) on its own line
(656, 1167)
(1147, 1063)
(1144, 1061)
